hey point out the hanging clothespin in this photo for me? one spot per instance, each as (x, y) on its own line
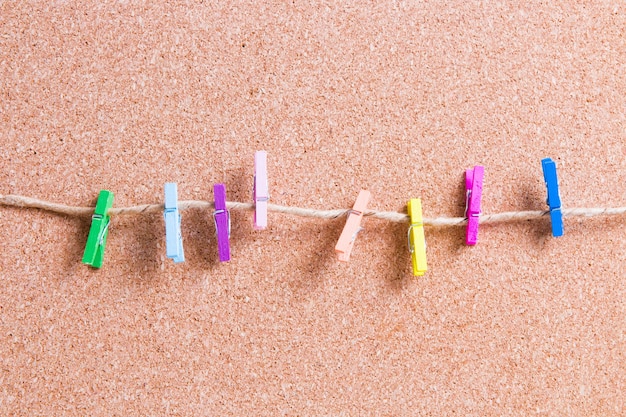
(261, 192)
(352, 227)
(97, 239)
(222, 222)
(173, 235)
(474, 192)
(417, 241)
(554, 200)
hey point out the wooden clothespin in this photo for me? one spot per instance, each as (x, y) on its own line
(417, 241)
(353, 226)
(474, 192)
(173, 235)
(97, 239)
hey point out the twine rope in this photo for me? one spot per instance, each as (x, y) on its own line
(392, 216)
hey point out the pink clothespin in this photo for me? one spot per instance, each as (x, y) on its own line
(261, 192)
(352, 227)
(474, 191)
(222, 222)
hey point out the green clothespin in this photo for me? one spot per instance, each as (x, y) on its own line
(97, 239)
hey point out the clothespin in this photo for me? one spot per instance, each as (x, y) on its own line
(474, 192)
(554, 200)
(352, 227)
(261, 192)
(417, 241)
(97, 239)
(173, 235)
(222, 222)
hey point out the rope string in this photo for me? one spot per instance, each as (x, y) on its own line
(398, 217)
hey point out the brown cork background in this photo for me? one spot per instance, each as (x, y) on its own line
(397, 97)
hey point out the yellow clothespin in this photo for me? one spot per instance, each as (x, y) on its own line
(417, 241)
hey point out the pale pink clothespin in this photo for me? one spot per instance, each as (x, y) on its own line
(352, 227)
(261, 192)
(474, 191)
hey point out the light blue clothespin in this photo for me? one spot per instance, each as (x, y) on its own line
(173, 236)
(554, 200)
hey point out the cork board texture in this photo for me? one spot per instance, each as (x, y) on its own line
(396, 97)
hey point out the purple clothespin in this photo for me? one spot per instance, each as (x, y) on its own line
(474, 192)
(222, 222)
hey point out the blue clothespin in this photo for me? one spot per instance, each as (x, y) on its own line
(554, 200)
(173, 236)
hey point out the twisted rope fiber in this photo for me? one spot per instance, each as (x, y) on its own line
(28, 202)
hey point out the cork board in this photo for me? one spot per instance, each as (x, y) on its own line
(396, 97)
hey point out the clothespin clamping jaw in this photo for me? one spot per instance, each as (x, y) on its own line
(474, 192)
(353, 226)
(173, 235)
(222, 222)
(97, 239)
(261, 192)
(554, 199)
(417, 241)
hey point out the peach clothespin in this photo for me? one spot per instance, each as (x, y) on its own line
(352, 227)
